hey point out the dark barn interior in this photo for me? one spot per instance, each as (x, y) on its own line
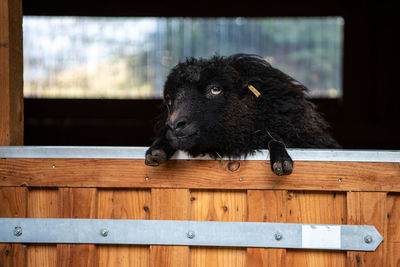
(367, 115)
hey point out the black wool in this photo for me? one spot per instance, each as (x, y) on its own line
(234, 106)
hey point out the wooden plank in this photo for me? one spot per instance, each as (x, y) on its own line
(77, 203)
(393, 230)
(218, 206)
(11, 94)
(123, 204)
(169, 204)
(119, 173)
(317, 208)
(368, 208)
(266, 206)
(12, 205)
(43, 203)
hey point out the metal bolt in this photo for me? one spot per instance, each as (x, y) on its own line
(368, 239)
(104, 232)
(17, 231)
(190, 234)
(241, 179)
(340, 180)
(147, 178)
(54, 166)
(278, 236)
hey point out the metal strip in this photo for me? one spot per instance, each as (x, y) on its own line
(192, 233)
(76, 152)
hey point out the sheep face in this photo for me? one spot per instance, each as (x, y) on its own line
(196, 99)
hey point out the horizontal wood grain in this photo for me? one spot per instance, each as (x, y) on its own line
(206, 174)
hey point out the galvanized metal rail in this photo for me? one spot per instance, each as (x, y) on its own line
(139, 152)
(190, 233)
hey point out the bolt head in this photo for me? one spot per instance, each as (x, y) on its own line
(368, 239)
(104, 232)
(190, 234)
(278, 236)
(17, 231)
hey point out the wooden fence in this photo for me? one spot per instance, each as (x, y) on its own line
(317, 192)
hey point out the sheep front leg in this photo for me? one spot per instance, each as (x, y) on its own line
(281, 162)
(159, 152)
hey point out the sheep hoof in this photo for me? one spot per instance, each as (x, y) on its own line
(284, 167)
(155, 157)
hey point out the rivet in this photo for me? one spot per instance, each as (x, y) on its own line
(368, 239)
(54, 166)
(190, 234)
(104, 232)
(340, 180)
(17, 231)
(241, 179)
(278, 236)
(147, 178)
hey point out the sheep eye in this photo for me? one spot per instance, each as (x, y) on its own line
(215, 90)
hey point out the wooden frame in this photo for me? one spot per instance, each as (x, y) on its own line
(11, 95)
(317, 192)
(204, 174)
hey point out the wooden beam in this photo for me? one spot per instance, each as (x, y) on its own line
(169, 204)
(129, 204)
(210, 205)
(77, 203)
(11, 83)
(369, 208)
(13, 204)
(259, 203)
(207, 174)
(43, 203)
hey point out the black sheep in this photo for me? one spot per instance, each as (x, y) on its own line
(233, 106)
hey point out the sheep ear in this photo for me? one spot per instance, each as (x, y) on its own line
(242, 85)
(235, 73)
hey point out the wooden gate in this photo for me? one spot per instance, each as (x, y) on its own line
(317, 192)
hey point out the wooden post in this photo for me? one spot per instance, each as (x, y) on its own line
(128, 204)
(77, 203)
(13, 204)
(368, 208)
(169, 204)
(266, 206)
(11, 83)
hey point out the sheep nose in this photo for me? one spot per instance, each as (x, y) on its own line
(178, 125)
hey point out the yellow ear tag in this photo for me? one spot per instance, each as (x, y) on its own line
(254, 90)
